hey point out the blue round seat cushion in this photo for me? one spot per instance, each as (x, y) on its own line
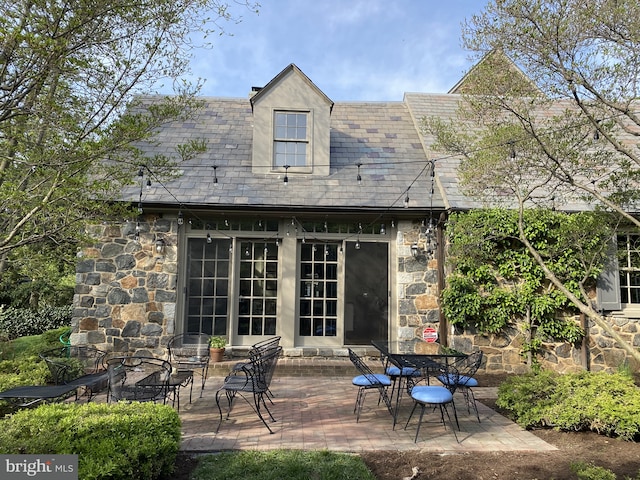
(431, 394)
(406, 371)
(364, 381)
(461, 380)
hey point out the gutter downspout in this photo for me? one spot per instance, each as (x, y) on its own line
(443, 327)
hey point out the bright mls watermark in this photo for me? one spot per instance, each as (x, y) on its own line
(51, 467)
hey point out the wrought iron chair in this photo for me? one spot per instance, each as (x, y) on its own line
(253, 378)
(367, 380)
(79, 365)
(460, 378)
(190, 352)
(408, 375)
(436, 396)
(140, 379)
(259, 348)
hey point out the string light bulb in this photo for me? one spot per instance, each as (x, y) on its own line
(286, 176)
(215, 176)
(180, 217)
(359, 177)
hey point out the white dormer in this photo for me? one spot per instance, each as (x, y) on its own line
(291, 126)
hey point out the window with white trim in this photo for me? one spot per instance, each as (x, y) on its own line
(290, 139)
(629, 268)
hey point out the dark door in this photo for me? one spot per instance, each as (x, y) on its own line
(366, 307)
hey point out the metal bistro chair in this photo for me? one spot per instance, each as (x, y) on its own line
(190, 352)
(253, 378)
(367, 380)
(436, 396)
(408, 375)
(79, 365)
(259, 348)
(139, 379)
(460, 378)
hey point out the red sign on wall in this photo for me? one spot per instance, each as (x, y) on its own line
(430, 335)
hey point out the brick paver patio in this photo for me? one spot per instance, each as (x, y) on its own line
(316, 412)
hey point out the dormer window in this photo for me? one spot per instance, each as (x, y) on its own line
(291, 127)
(290, 139)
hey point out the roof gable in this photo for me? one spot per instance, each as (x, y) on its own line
(274, 83)
(500, 70)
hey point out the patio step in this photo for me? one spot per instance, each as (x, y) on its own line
(297, 367)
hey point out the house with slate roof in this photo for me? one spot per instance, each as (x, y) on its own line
(318, 221)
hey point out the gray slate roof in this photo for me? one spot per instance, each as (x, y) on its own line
(382, 136)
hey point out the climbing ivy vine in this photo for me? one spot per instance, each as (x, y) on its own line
(494, 282)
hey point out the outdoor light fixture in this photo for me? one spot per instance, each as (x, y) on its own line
(160, 246)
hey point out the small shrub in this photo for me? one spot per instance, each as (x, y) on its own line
(20, 322)
(113, 441)
(588, 471)
(601, 402)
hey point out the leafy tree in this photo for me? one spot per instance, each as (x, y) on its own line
(564, 133)
(494, 281)
(71, 76)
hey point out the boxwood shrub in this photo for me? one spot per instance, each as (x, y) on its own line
(113, 441)
(20, 322)
(607, 403)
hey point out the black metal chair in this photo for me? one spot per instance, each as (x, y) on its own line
(460, 378)
(259, 348)
(253, 378)
(190, 352)
(139, 379)
(367, 380)
(78, 365)
(436, 396)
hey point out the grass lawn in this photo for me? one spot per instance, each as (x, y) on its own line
(279, 464)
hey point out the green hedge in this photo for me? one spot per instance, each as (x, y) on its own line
(20, 322)
(113, 441)
(602, 402)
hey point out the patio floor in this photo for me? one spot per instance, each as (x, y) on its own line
(316, 412)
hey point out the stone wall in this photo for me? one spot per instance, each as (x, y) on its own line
(418, 307)
(502, 352)
(125, 288)
(125, 301)
(416, 283)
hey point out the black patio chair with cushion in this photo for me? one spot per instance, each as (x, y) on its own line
(139, 379)
(367, 380)
(253, 378)
(78, 365)
(436, 396)
(460, 378)
(190, 352)
(407, 375)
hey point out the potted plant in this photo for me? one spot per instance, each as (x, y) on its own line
(216, 348)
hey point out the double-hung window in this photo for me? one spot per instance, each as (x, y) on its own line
(291, 139)
(629, 268)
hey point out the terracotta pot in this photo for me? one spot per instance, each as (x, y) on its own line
(216, 354)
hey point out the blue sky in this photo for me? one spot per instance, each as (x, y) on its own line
(351, 49)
